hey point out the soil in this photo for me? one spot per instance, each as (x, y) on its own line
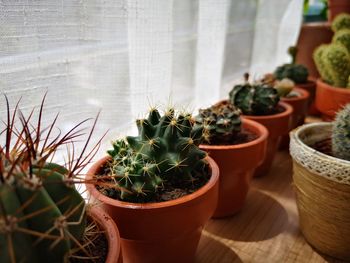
(97, 249)
(172, 189)
(242, 137)
(324, 146)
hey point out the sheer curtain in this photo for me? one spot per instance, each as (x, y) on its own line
(120, 56)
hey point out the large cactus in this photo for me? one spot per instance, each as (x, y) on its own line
(296, 72)
(341, 134)
(222, 122)
(166, 149)
(256, 99)
(42, 215)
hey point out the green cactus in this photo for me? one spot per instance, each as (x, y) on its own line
(342, 21)
(341, 134)
(296, 72)
(222, 122)
(257, 99)
(42, 215)
(166, 149)
(333, 63)
(342, 37)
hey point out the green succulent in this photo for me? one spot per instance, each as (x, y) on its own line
(222, 122)
(256, 99)
(341, 134)
(165, 149)
(342, 37)
(342, 21)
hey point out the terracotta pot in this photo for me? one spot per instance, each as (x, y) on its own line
(300, 107)
(237, 164)
(160, 232)
(310, 87)
(330, 99)
(311, 36)
(336, 7)
(112, 234)
(277, 125)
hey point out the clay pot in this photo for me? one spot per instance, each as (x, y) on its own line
(237, 164)
(329, 99)
(277, 125)
(311, 36)
(160, 232)
(336, 7)
(300, 107)
(310, 87)
(110, 229)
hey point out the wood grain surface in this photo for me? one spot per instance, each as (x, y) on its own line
(266, 230)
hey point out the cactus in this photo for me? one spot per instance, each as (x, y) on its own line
(257, 99)
(42, 215)
(341, 134)
(333, 63)
(296, 72)
(166, 149)
(284, 87)
(222, 122)
(342, 37)
(342, 21)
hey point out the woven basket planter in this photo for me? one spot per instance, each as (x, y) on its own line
(322, 185)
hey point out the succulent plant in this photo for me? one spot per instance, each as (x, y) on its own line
(42, 215)
(222, 122)
(166, 149)
(333, 64)
(296, 72)
(342, 37)
(342, 21)
(341, 134)
(254, 99)
(284, 87)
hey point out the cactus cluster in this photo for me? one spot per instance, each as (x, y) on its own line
(166, 149)
(341, 134)
(42, 215)
(254, 99)
(296, 72)
(333, 60)
(221, 123)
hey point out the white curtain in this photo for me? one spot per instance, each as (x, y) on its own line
(121, 56)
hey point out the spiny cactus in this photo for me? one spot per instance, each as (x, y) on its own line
(256, 99)
(296, 72)
(222, 122)
(333, 64)
(166, 149)
(342, 21)
(342, 37)
(42, 215)
(341, 134)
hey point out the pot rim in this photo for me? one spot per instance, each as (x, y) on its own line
(156, 205)
(324, 85)
(288, 110)
(304, 95)
(262, 136)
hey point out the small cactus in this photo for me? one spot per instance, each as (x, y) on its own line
(342, 37)
(221, 123)
(296, 72)
(342, 21)
(256, 99)
(165, 149)
(341, 134)
(284, 87)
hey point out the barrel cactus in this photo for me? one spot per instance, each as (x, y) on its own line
(42, 215)
(255, 99)
(296, 72)
(341, 134)
(222, 122)
(165, 149)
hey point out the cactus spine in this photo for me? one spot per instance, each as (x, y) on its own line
(341, 134)
(166, 149)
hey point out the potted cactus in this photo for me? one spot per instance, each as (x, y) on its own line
(237, 146)
(43, 218)
(321, 175)
(159, 187)
(260, 102)
(333, 63)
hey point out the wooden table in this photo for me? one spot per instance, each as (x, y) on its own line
(266, 230)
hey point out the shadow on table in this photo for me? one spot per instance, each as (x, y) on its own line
(218, 252)
(261, 218)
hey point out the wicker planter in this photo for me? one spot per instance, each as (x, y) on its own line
(322, 185)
